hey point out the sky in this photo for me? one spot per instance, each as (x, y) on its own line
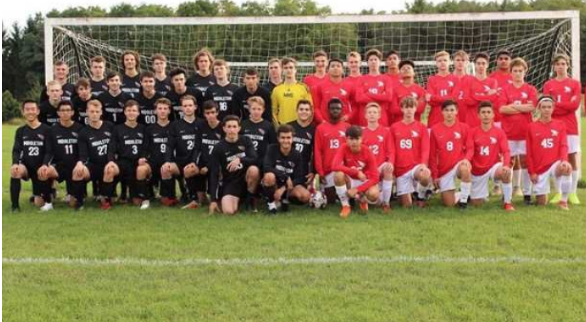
(20, 11)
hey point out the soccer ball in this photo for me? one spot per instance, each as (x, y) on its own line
(318, 200)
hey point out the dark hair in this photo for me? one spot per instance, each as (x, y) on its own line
(406, 62)
(111, 75)
(320, 53)
(303, 102)
(64, 103)
(354, 132)
(133, 54)
(504, 51)
(334, 101)
(131, 103)
(163, 100)
(82, 82)
(484, 104)
(392, 52)
(335, 60)
(146, 74)
(285, 128)
(484, 55)
(29, 101)
(229, 118)
(177, 71)
(374, 52)
(208, 105)
(250, 72)
(449, 102)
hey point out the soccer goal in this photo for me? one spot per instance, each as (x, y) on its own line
(252, 41)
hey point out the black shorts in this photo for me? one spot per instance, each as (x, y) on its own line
(33, 176)
(64, 171)
(201, 183)
(155, 171)
(236, 188)
(127, 170)
(96, 171)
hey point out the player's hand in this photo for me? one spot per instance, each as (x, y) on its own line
(279, 193)
(387, 166)
(213, 207)
(352, 192)
(203, 171)
(427, 97)
(14, 170)
(289, 184)
(309, 178)
(234, 165)
(436, 182)
(534, 178)
(344, 118)
(506, 172)
(142, 161)
(361, 176)
(42, 172)
(467, 163)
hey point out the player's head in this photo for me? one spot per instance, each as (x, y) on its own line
(407, 69)
(54, 91)
(372, 112)
(159, 63)
(178, 78)
(481, 61)
(250, 78)
(561, 63)
(94, 110)
(392, 59)
(545, 106)
(65, 111)
(354, 138)
(30, 110)
(519, 69)
(131, 110)
(373, 59)
(210, 111)
(289, 67)
(256, 106)
(130, 60)
(461, 59)
(449, 110)
(163, 108)
(188, 105)
(485, 112)
(408, 107)
(147, 81)
(203, 60)
(320, 60)
(304, 110)
(231, 126)
(114, 80)
(442, 60)
(98, 66)
(83, 88)
(336, 67)
(503, 60)
(285, 136)
(335, 109)
(221, 69)
(353, 61)
(60, 70)
(275, 68)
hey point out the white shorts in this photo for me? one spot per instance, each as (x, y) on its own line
(542, 185)
(573, 144)
(355, 183)
(406, 183)
(480, 183)
(448, 181)
(330, 180)
(518, 147)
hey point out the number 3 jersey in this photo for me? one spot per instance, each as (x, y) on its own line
(93, 143)
(127, 143)
(489, 148)
(410, 146)
(546, 144)
(30, 145)
(64, 144)
(328, 139)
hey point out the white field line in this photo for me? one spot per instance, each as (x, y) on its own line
(290, 261)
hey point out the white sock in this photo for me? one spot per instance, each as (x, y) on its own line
(272, 205)
(465, 191)
(565, 184)
(342, 192)
(387, 191)
(507, 192)
(421, 190)
(526, 182)
(516, 178)
(574, 186)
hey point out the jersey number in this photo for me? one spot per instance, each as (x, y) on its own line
(374, 149)
(450, 146)
(190, 145)
(299, 147)
(33, 151)
(334, 144)
(163, 148)
(150, 119)
(102, 150)
(547, 143)
(484, 150)
(406, 144)
(134, 149)
(68, 149)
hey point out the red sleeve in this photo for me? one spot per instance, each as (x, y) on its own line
(317, 100)
(338, 163)
(564, 144)
(469, 144)
(533, 96)
(529, 158)
(361, 95)
(371, 172)
(564, 108)
(432, 154)
(504, 146)
(317, 152)
(422, 103)
(435, 97)
(391, 147)
(424, 145)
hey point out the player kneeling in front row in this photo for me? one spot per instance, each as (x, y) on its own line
(355, 168)
(284, 170)
(547, 154)
(491, 158)
(231, 170)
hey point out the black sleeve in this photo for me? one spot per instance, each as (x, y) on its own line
(49, 148)
(214, 173)
(299, 171)
(272, 135)
(17, 148)
(268, 113)
(145, 151)
(269, 160)
(43, 97)
(171, 145)
(82, 145)
(251, 157)
(113, 145)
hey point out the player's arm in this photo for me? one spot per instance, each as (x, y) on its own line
(338, 163)
(17, 149)
(424, 146)
(251, 157)
(50, 145)
(371, 172)
(269, 160)
(563, 144)
(275, 106)
(421, 102)
(530, 152)
(392, 153)
(318, 146)
(504, 149)
(171, 144)
(82, 145)
(214, 174)
(433, 150)
(316, 94)
(469, 145)
(268, 113)
(113, 145)
(300, 169)
(434, 96)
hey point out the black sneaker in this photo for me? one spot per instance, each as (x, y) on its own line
(462, 205)
(527, 200)
(273, 211)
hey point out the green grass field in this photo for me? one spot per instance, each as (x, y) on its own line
(177, 265)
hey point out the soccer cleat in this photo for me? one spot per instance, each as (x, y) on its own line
(47, 207)
(169, 202)
(105, 204)
(191, 205)
(273, 211)
(145, 204)
(509, 207)
(573, 199)
(346, 210)
(386, 209)
(563, 205)
(363, 204)
(527, 200)
(462, 205)
(556, 199)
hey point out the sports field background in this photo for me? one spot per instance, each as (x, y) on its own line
(430, 264)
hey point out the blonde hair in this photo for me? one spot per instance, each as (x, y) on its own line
(461, 53)
(519, 62)
(440, 54)
(354, 54)
(256, 99)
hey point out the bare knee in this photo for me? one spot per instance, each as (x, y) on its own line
(269, 179)
(339, 178)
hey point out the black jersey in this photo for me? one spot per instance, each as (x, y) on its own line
(163, 86)
(261, 134)
(201, 83)
(285, 166)
(269, 86)
(175, 99)
(64, 144)
(208, 139)
(93, 143)
(68, 93)
(157, 142)
(127, 143)
(131, 85)
(224, 153)
(241, 108)
(183, 141)
(113, 107)
(48, 113)
(98, 87)
(147, 108)
(31, 145)
(222, 95)
(80, 107)
(303, 139)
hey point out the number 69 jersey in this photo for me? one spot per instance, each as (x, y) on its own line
(328, 139)
(546, 144)
(93, 143)
(490, 147)
(410, 146)
(30, 145)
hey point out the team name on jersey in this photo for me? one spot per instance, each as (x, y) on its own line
(222, 98)
(33, 143)
(67, 141)
(160, 140)
(210, 141)
(301, 140)
(188, 137)
(101, 142)
(255, 137)
(287, 169)
(236, 156)
(132, 141)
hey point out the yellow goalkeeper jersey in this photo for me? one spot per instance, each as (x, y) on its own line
(284, 101)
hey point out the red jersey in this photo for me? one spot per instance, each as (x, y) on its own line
(567, 96)
(352, 82)
(373, 89)
(399, 93)
(324, 92)
(394, 79)
(448, 145)
(546, 144)
(490, 147)
(352, 163)
(478, 92)
(313, 81)
(515, 125)
(378, 142)
(502, 78)
(410, 146)
(461, 91)
(441, 89)
(328, 139)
